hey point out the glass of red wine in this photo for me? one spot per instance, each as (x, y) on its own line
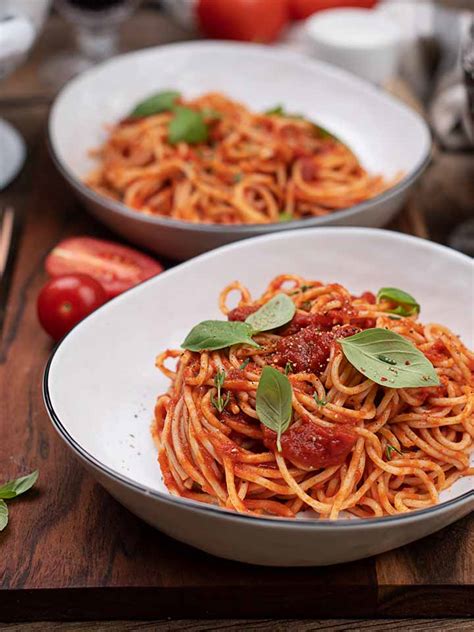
(96, 25)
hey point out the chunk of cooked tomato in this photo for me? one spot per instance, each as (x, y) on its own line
(310, 445)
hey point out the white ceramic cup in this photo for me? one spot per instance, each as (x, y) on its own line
(359, 40)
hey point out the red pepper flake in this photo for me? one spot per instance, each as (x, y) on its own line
(383, 379)
(407, 362)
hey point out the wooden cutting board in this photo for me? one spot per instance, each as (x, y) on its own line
(72, 552)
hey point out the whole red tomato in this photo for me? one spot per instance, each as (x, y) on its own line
(302, 9)
(247, 20)
(66, 300)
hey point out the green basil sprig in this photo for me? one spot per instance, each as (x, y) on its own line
(218, 334)
(273, 401)
(244, 364)
(12, 489)
(220, 402)
(389, 359)
(187, 126)
(389, 451)
(156, 103)
(319, 402)
(278, 311)
(406, 304)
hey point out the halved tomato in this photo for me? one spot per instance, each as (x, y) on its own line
(114, 266)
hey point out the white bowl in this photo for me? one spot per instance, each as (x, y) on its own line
(361, 41)
(100, 385)
(387, 136)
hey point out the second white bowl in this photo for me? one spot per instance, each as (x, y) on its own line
(387, 136)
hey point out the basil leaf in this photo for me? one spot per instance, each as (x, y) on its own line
(218, 334)
(277, 312)
(273, 402)
(322, 132)
(3, 515)
(285, 217)
(157, 103)
(187, 126)
(389, 359)
(210, 113)
(12, 489)
(406, 304)
(244, 364)
(279, 110)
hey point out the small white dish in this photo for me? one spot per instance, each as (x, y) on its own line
(12, 153)
(100, 385)
(361, 41)
(387, 136)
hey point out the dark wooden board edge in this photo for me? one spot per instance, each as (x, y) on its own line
(211, 602)
(82, 604)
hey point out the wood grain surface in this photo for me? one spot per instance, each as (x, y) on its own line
(72, 553)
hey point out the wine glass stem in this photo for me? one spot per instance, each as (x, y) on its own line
(97, 43)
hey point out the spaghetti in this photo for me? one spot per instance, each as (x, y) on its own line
(353, 446)
(250, 168)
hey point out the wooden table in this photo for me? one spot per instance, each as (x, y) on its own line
(71, 552)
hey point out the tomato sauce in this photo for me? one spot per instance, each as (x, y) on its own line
(426, 392)
(308, 350)
(308, 169)
(308, 445)
(437, 352)
(368, 297)
(242, 312)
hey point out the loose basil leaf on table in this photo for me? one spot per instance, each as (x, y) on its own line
(14, 488)
(389, 359)
(278, 311)
(3, 515)
(406, 304)
(187, 126)
(218, 334)
(273, 401)
(155, 104)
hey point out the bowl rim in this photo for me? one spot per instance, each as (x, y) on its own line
(239, 229)
(185, 503)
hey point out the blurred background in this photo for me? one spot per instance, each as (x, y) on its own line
(420, 50)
